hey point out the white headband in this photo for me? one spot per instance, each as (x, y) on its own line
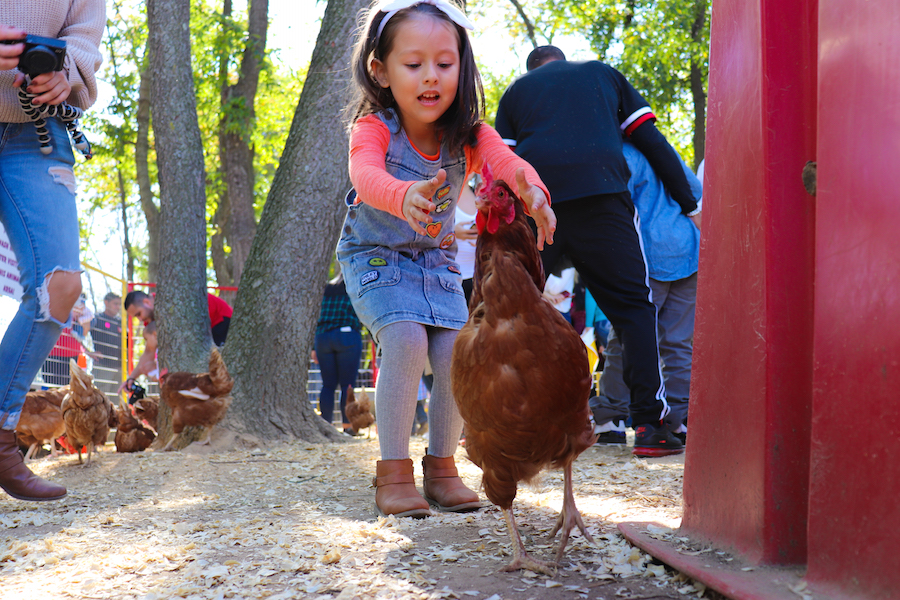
(392, 7)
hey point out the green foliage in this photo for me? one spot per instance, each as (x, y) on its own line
(652, 42)
(112, 130)
(217, 48)
(494, 86)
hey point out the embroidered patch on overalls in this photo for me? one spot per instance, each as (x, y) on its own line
(448, 241)
(443, 205)
(454, 269)
(377, 262)
(439, 197)
(368, 277)
(434, 229)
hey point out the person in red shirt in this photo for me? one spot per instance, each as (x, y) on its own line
(140, 305)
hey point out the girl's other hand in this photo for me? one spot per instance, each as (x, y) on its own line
(554, 298)
(538, 207)
(51, 88)
(465, 230)
(9, 53)
(417, 202)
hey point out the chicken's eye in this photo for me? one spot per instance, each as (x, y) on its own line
(500, 193)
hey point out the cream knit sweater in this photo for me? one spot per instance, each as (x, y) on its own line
(80, 23)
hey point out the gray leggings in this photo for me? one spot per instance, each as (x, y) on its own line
(404, 346)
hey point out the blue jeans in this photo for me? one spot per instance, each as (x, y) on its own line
(338, 353)
(38, 211)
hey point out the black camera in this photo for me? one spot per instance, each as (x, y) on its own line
(41, 54)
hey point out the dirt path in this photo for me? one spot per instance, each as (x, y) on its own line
(296, 521)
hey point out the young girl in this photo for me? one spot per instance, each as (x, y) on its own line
(416, 138)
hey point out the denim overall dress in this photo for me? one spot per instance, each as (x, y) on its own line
(393, 273)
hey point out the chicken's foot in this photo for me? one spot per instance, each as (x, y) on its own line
(569, 517)
(171, 441)
(521, 559)
(204, 441)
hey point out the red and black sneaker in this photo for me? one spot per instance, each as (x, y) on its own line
(650, 441)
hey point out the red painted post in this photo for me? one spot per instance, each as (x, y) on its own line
(747, 463)
(854, 515)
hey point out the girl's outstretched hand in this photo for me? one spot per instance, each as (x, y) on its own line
(539, 207)
(417, 204)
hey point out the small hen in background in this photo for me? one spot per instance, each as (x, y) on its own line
(520, 371)
(41, 420)
(197, 399)
(147, 410)
(359, 411)
(86, 412)
(131, 435)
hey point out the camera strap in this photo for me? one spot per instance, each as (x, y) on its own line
(64, 111)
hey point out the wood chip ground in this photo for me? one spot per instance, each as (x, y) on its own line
(297, 521)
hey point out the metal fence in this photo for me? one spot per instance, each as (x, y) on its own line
(94, 340)
(368, 373)
(102, 346)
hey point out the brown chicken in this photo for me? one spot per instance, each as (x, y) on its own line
(41, 420)
(147, 409)
(197, 400)
(131, 435)
(519, 371)
(359, 411)
(87, 413)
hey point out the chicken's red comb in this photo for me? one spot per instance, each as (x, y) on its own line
(487, 180)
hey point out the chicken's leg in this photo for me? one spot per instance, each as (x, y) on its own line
(90, 452)
(205, 441)
(171, 441)
(569, 516)
(32, 449)
(521, 559)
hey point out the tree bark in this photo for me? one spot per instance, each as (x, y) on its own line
(126, 240)
(142, 170)
(182, 315)
(237, 152)
(221, 260)
(278, 303)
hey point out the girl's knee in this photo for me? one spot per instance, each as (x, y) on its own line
(62, 291)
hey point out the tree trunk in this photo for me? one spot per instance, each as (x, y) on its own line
(129, 252)
(238, 114)
(278, 302)
(142, 170)
(181, 309)
(221, 260)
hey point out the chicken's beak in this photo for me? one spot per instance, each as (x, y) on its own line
(480, 203)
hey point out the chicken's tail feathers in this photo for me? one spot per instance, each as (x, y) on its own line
(79, 379)
(217, 370)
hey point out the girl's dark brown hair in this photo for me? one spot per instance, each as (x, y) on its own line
(458, 125)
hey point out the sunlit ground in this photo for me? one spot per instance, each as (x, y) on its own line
(297, 521)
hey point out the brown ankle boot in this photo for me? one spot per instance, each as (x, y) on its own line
(444, 489)
(395, 490)
(15, 478)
